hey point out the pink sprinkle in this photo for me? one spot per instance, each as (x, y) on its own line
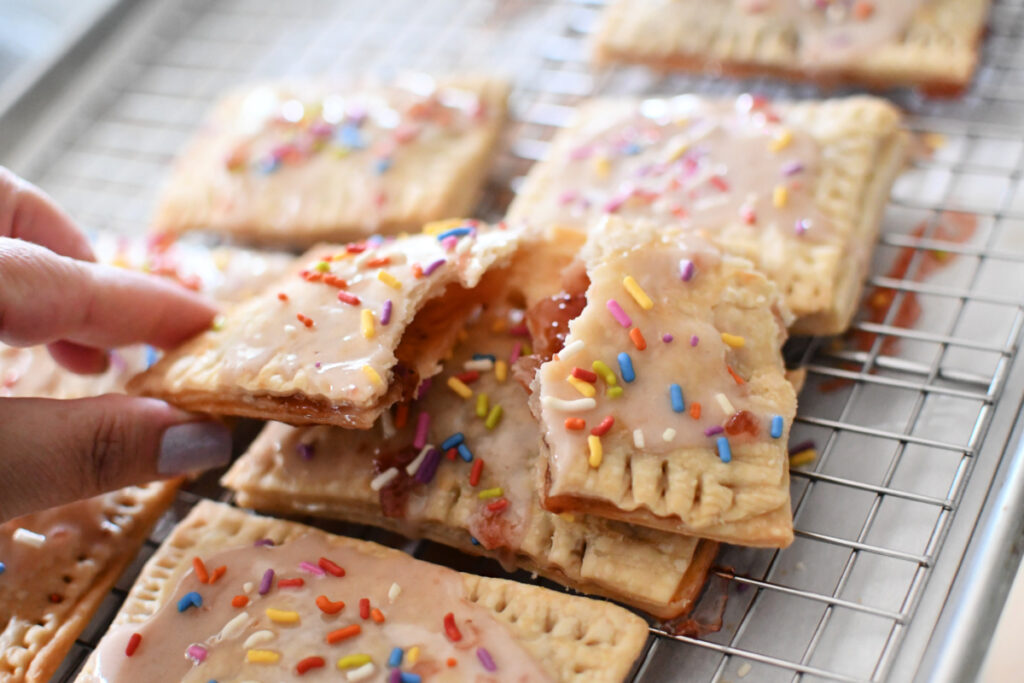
(620, 315)
(516, 350)
(385, 314)
(711, 431)
(395, 676)
(792, 168)
(568, 197)
(667, 337)
(802, 226)
(686, 269)
(311, 568)
(449, 242)
(581, 153)
(263, 542)
(196, 652)
(694, 340)
(422, 425)
(434, 266)
(615, 203)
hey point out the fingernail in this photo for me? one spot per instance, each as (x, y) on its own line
(194, 446)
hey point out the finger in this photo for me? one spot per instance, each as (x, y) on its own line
(45, 297)
(27, 213)
(53, 452)
(84, 360)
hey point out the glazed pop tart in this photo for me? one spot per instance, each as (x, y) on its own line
(460, 469)
(231, 596)
(301, 162)
(668, 405)
(798, 189)
(350, 331)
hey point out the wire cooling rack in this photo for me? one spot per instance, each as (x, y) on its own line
(898, 551)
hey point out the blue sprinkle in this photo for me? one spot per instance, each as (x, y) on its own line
(151, 356)
(192, 599)
(382, 165)
(626, 367)
(474, 541)
(348, 135)
(776, 426)
(454, 232)
(631, 149)
(465, 453)
(3, 567)
(396, 657)
(453, 441)
(407, 677)
(485, 356)
(269, 165)
(724, 450)
(676, 394)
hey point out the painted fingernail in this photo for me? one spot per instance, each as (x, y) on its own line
(194, 446)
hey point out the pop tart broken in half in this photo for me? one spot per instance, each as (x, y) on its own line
(669, 406)
(351, 331)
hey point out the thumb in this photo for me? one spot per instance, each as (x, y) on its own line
(53, 452)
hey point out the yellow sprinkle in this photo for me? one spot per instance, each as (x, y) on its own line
(602, 166)
(493, 417)
(388, 279)
(606, 373)
(322, 266)
(780, 195)
(262, 656)
(585, 388)
(500, 370)
(481, 405)
(568, 517)
(527, 350)
(282, 616)
(499, 325)
(459, 387)
(614, 392)
(804, 457)
(782, 140)
(413, 655)
(677, 152)
(366, 323)
(596, 452)
(637, 292)
(733, 340)
(437, 227)
(372, 374)
(352, 661)
(218, 323)
(486, 494)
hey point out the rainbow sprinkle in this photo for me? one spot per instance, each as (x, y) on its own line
(636, 291)
(620, 315)
(596, 451)
(776, 426)
(366, 323)
(675, 393)
(626, 367)
(459, 387)
(724, 450)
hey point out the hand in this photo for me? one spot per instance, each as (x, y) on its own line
(52, 292)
